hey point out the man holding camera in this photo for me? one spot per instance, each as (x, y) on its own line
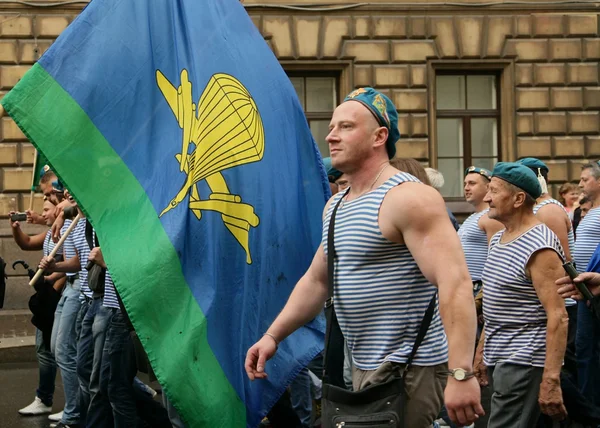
(47, 365)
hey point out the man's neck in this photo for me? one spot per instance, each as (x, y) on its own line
(519, 222)
(481, 206)
(363, 179)
(595, 201)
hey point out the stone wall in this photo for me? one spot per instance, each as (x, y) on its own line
(553, 109)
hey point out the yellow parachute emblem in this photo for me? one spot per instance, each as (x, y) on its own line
(227, 131)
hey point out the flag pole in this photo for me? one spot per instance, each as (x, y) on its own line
(56, 248)
(33, 183)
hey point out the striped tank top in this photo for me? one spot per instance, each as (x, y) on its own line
(109, 300)
(515, 320)
(380, 294)
(80, 245)
(570, 235)
(68, 247)
(49, 244)
(588, 238)
(475, 244)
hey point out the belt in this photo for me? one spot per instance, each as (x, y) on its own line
(71, 279)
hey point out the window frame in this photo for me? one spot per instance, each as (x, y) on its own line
(505, 98)
(304, 73)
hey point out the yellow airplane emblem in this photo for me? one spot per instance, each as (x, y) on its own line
(226, 130)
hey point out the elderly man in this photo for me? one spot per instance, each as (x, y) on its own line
(395, 247)
(525, 341)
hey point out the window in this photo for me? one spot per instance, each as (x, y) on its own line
(318, 95)
(467, 123)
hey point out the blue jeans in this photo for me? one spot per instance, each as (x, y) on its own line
(99, 412)
(587, 345)
(118, 370)
(301, 398)
(89, 353)
(47, 370)
(63, 345)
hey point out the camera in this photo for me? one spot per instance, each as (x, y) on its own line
(18, 217)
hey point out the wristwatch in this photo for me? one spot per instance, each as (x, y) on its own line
(460, 374)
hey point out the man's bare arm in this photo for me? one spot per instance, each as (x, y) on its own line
(415, 214)
(544, 268)
(420, 217)
(26, 242)
(306, 301)
(554, 217)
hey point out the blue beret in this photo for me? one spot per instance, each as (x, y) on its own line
(534, 163)
(481, 171)
(331, 171)
(384, 111)
(520, 176)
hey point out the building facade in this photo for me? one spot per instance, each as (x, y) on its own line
(474, 82)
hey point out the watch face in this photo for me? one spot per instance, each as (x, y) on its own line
(460, 374)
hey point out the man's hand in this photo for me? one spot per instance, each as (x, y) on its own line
(97, 257)
(463, 401)
(47, 264)
(550, 399)
(258, 355)
(480, 369)
(34, 218)
(57, 225)
(13, 224)
(568, 289)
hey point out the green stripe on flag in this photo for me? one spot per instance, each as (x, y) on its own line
(143, 262)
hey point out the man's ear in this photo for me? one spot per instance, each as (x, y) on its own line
(381, 136)
(519, 199)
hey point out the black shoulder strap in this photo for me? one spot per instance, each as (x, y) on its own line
(334, 340)
(333, 360)
(89, 232)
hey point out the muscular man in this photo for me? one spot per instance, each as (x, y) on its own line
(395, 247)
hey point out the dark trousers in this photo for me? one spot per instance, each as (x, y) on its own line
(515, 397)
(588, 353)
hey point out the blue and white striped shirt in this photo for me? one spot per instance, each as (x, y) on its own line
(380, 293)
(588, 238)
(475, 244)
(570, 235)
(49, 244)
(109, 299)
(110, 295)
(68, 246)
(515, 320)
(83, 251)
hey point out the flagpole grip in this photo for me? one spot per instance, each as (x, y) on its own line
(31, 200)
(62, 240)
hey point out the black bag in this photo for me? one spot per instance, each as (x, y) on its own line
(96, 273)
(376, 406)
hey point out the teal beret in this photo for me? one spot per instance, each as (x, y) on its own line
(384, 111)
(481, 171)
(331, 171)
(534, 163)
(520, 176)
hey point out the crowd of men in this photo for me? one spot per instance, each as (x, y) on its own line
(89, 336)
(505, 315)
(500, 278)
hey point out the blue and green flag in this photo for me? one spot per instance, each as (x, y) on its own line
(181, 137)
